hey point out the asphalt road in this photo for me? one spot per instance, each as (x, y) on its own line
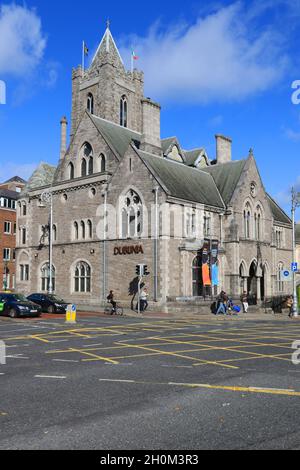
(119, 383)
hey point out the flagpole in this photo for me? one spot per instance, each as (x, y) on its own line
(83, 51)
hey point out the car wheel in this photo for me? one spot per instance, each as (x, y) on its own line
(13, 313)
(51, 309)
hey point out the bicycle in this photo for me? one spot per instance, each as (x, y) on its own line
(109, 310)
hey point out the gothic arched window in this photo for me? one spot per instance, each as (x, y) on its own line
(91, 166)
(82, 277)
(258, 223)
(123, 111)
(280, 283)
(82, 225)
(102, 163)
(90, 229)
(76, 231)
(45, 277)
(83, 167)
(87, 160)
(71, 171)
(132, 215)
(247, 221)
(90, 103)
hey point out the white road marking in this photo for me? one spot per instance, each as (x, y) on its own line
(60, 341)
(18, 356)
(49, 377)
(64, 360)
(118, 381)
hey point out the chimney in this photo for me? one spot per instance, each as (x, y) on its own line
(224, 145)
(63, 137)
(151, 127)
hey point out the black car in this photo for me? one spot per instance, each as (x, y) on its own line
(16, 305)
(49, 303)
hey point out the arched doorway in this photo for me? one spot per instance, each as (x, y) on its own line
(243, 277)
(197, 277)
(263, 284)
(252, 283)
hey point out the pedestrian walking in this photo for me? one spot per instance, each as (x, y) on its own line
(144, 300)
(245, 301)
(289, 305)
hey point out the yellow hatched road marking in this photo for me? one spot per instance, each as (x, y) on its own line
(217, 348)
(99, 358)
(167, 353)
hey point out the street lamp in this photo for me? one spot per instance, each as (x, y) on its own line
(47, 199)
(295, 204)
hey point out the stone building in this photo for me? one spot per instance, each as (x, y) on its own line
(122, 196)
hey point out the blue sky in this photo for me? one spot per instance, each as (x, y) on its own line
(215, 67)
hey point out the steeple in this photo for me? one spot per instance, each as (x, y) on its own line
(107, 52)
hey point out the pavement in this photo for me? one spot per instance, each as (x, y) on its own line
(149, 383)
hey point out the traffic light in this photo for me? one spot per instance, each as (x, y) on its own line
(138, 270)
(142, 270)
(145, 270)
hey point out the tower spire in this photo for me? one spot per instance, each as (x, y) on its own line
(108, 23)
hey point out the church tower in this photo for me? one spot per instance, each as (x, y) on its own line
(107, 90)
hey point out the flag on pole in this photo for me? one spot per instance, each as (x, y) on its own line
(134, 56)
(85, 52)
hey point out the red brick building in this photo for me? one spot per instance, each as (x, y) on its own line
(9, 193)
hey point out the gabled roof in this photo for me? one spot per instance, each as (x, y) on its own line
(168, 142)
(191, 156)
(183, 182)
(42, 176)
(226, 177)
(15, 179)
(119, 137)
(278, 213)
(298, 234)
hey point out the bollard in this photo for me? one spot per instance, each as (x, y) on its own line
(71, 314)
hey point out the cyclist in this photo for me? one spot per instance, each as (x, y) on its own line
(111, 300)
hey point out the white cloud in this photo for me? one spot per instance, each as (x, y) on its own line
(224, 56)
(22, 43)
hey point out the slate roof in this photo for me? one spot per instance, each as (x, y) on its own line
(183, 182)
(42, 176)
(226, 177)
(298, 233)
(15, 179)
(119, 137)
(166, 143)
(9, 194)
(278, 214)
(191, 156)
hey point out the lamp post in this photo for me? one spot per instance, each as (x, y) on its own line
(47, 199)
(295, 205)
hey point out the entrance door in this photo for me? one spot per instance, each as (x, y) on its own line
(252, 284)
(197, 277)
(262, 284)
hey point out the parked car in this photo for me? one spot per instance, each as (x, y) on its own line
(49, 303)
(16, 305)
